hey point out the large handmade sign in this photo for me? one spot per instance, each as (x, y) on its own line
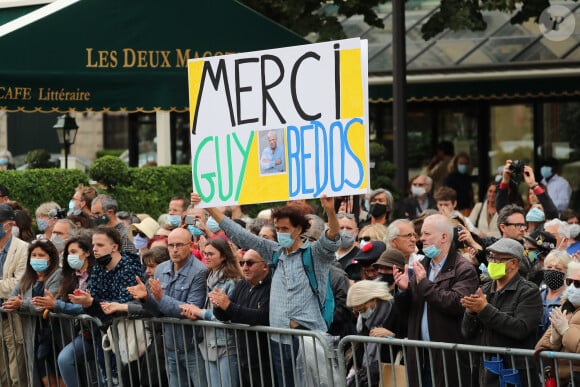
(282, 124)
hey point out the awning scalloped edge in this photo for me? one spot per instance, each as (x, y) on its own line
(22, 109)
(480, 97)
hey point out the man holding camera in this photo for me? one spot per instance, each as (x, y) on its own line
(514, 171)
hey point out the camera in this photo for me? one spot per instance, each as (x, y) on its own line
(191, 220)
(57, 213)
(516, 169)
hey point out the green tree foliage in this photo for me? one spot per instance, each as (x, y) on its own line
(110, 171)
(307, 16)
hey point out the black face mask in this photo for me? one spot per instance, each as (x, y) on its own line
(388, 278)
(376, 210)
(104, 260)
(554, 279)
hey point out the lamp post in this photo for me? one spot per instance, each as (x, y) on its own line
(66, 130)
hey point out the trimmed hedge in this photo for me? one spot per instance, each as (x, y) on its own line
(33, 187)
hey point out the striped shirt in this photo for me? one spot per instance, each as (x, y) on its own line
(291, 297)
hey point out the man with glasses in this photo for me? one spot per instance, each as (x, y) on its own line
(181, 280)
(504, 312)
(511, 222)
(401, 236)
(249, 304)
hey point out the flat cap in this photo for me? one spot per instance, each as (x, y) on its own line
(508, 246)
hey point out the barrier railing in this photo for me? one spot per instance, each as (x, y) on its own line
(167, 351)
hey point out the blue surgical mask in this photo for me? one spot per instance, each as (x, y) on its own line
(39, 265)
(432, 251)
(535, 215)
(462, 168)
(212, 225)
(2, 232)
(3, 161)
(174, 220)
(498, 178)
(194, 231)
(140, 242)
(573, 295)
(71, 205)
(285, 239)
(42, 224)
(546, 171)
(75, 261)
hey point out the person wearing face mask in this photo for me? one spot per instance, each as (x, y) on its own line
(13, 263)
(535, 218)
(459, 179)
(348, 248)
(62, 230)
(103, 210)
(563, 335)
(377, 316)
(420, 200)
(504, 312)
(380, 205)
(177, 208)
(554, 273)
(143, 232)
(537, 245)
(388, 260)
(431, 301)
(114, 272)
(558, 188)
(42, 274)
(291, 305)
(44, 222)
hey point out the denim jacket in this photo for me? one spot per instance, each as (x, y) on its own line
(186, 286)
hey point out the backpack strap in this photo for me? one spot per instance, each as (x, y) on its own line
(308, 265)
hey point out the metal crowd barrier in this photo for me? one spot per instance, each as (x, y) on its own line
(135, 353)
(532, 369)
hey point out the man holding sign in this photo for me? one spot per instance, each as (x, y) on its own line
(292, 301)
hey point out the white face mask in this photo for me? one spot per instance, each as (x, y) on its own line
(418, 191)
(573, 294)
(367, 313)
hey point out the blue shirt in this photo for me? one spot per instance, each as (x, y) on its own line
(185, 286)
(424, 320)
(273, 155)
(559, 191)
(291, 297)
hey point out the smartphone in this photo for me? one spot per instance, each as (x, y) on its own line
(191, 219)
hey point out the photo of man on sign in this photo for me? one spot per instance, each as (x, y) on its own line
(272, 159)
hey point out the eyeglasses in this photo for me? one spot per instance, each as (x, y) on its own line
(517, 225)
(39, 240)
(360, 308)
(248, 263)
(177, 245)
(495, 258)
(365, 238)
(408, 236)
(570, 281)
(342, 215)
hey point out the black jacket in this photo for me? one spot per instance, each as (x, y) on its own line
(410, 208)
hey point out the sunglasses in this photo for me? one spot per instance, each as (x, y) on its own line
(570, 281)
(342, 215)
(248, 263)
(365, 238)
(135, 233)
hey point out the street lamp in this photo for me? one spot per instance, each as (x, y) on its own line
(66, 130)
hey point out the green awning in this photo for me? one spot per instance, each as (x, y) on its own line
(527, 85)
(129, 55)
(9, 14)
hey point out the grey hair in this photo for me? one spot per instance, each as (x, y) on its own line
(45, 208)
(107, 202)
(390, 200)
(563, 227)
(572, 267)
(72, 227)
(393, 230)
(442, 224)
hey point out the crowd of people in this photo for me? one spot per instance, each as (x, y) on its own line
(493, 273)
